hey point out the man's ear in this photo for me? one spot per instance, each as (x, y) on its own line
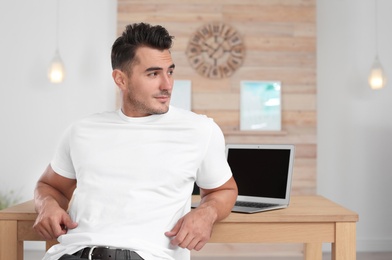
(120, 79)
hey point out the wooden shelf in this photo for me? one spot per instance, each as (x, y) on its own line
(254, 133)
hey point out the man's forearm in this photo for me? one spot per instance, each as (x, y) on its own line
(45, 194)
(52, 188)
(220, 200)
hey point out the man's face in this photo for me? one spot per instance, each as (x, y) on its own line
(149, 84)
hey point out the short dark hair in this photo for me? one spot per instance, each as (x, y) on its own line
(138, 35)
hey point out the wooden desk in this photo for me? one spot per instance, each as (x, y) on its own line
(311, 220)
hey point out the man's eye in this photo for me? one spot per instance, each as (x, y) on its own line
(170, 72)
(153, 74)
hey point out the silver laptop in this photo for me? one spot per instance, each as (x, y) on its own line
(263, 174)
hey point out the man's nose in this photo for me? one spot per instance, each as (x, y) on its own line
(167, 82)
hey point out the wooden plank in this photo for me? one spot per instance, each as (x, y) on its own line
(299, 45)
(26, 231)
(268, 139)
(211, 101)
(313, 251)
(161, 18)
(273, 232)
(50, 243)
(247, 250)
(257, 13)
(162, 7)
(14, 212)
(279, 59)
(294, 76)
(299, 117)
(8, 238)
(243, 2)
(345, 245)
(303, 102)
(302, 209)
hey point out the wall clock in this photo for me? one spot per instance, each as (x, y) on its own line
(216, 50)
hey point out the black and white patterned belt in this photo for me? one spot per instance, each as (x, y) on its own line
(107, 253)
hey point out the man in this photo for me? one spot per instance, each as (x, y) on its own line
(130, 173)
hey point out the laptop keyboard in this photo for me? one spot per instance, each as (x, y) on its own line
(254, 204)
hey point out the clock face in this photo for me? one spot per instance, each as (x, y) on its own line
(216, 50)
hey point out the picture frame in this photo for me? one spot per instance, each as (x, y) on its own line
(260, 106)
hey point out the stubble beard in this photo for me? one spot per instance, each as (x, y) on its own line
(146, 108)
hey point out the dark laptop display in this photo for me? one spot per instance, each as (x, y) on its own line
(263, 174)
(260, 172)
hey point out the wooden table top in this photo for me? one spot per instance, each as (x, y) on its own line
(310, 208)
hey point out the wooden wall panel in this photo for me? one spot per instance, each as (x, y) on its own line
(280, 41)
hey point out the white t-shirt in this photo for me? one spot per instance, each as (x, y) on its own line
(135, 178)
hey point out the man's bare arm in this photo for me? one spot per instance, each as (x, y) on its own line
(194, 229)
(52, 196)
(221, 200)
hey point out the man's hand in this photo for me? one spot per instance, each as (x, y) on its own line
(52, 195)
(53, 222)
(194, 229)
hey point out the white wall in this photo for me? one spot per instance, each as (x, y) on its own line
(33, 111)
(354, 122)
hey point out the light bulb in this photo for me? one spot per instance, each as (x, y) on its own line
(56, 72)
(377, 77)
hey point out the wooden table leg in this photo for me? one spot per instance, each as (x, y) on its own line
(313, 251)
(9, 240)
(20, 250)
(50, 243)
(344, 247)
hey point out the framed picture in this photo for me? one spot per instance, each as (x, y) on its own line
(260, 106)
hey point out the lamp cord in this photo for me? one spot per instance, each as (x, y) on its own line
(57, 25)
(376, 30)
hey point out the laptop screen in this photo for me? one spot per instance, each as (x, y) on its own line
(260, 171)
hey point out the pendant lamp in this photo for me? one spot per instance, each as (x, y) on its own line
(56, 71)
(377, 77)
